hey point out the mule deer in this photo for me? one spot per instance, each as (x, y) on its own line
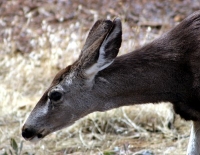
(168, 69)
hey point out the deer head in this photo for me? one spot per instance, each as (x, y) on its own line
(71, 94)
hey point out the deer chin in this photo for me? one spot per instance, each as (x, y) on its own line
(34, 140)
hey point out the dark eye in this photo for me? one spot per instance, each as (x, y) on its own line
(55, 96)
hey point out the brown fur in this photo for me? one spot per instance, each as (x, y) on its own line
(168, 69)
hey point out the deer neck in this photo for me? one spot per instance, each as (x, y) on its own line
(141, 77)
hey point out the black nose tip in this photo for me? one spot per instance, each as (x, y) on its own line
(28, 133)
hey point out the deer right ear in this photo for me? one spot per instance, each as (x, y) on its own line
(102, 50)
(110, 46)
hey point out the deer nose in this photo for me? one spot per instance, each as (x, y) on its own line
(28, 133)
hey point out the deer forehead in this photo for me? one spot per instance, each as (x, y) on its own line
(65, 76)
(62, 84)
(69, 78)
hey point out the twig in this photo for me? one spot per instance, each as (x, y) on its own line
(138, 128)
(81, 138)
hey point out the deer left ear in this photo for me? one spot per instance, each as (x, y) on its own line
(108, 50)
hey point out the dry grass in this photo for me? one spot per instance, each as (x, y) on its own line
(30, 58)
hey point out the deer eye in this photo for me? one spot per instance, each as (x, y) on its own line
(55, 96)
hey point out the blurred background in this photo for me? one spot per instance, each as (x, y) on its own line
(40, 37)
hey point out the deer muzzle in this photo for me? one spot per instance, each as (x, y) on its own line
(32, 135)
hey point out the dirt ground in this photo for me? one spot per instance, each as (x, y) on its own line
(39, 37)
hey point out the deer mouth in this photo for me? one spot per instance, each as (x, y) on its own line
(32, 136)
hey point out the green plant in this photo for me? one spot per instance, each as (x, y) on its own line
(15, 148)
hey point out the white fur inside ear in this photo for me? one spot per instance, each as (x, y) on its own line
(101, 64)
(92, 70)
(102, 61)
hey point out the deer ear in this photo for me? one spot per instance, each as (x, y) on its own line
(107, 50)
